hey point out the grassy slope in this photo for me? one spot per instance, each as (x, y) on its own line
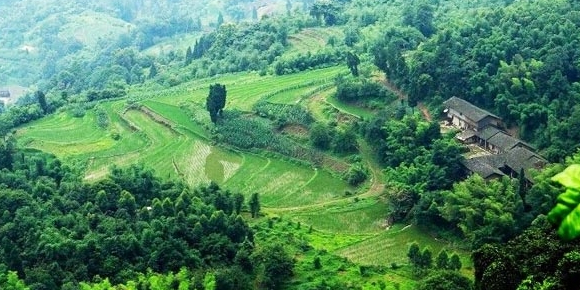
(313, 39)
(348, 226)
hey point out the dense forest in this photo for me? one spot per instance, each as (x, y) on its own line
(58, 231)
(338, 104)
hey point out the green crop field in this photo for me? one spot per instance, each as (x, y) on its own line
(313, 39)
(297, 95)
(364, 216)
(391, 246)
(244, 92)
(170, 133)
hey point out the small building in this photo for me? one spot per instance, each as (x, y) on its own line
(502, 142)
(484, 166)
(523, 158)
(464, 115)
(509, 163)
(467, 136)
(4, 94)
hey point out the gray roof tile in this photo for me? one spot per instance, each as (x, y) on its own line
(467, 109)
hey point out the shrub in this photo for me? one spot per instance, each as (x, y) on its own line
(356, 174)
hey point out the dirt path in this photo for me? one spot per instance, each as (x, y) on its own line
(424, 111)
(402, 96)
(391, 87)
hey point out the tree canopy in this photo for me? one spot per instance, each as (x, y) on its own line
(216, 101)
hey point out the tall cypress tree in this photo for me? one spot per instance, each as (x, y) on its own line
(216, 101)
(254, 204)
(188, 56)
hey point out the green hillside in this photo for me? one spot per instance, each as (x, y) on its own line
(288, 144)
(166, 134)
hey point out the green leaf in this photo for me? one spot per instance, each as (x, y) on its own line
(558, 213)
(570, 177)
(570, 227)
(566, 213)
(570, 197)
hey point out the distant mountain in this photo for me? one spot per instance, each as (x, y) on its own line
(38, 37)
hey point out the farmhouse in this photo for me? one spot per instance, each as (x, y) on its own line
(509, 163)
(500, 142)
(466, 116)
(505, 155)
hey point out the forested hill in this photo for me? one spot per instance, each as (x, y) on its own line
(515, 58)
(40, 39)
(325, 114)
(520, 61)
(58, 231)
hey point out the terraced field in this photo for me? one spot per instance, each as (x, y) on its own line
(165, 134)
(313, 39)
(246, 90)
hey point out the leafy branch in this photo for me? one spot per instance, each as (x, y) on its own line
(566, 213)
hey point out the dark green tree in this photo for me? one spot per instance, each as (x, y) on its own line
(7, 150)
(426, 261)
(445, 280)
(188, 56)
(454, 263)
(216, 101)
(238, 202)
(254, 13)
(254, 204)
(220, 20)
(442, 260)
(152, 71)
(414, 253)
(344, 142)
(320, 137)
(41, 98)
(325, 10)
(352, 61)
(276, 266)
(288, 7)
(522, 190)
(317, 264)
(419, 14)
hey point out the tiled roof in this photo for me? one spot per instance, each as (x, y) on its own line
(466, 134)
(516, 159)
(488, 132)
(520, 157)
(504, 141)
(467, 109)
(479, 166)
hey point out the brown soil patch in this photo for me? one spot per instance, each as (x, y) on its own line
(391, 87)
(334, 165)
(424, 111)
(296, 130)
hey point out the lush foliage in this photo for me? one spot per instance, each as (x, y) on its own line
(284, 114)
(216, 101)
(529, 261)
(485, 211)
(358, 90)
(59, 231)
(420, 160)
(257, 133)
(242, 47)
(300, 62)
(515, 60)
(566, 214)
(445, 280)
